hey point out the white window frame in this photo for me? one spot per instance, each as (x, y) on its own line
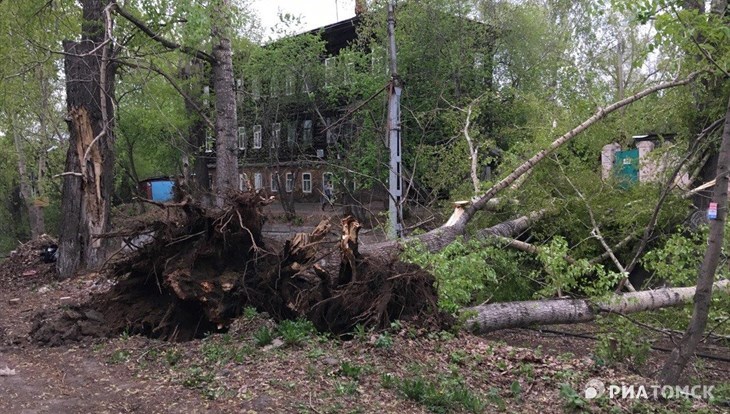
(275, 135)
(257, 136)
(209, 141)
(307, 182)
(274, 182)
(274, 87)
(307, 132)
(289, 84)
(241, 138)
(256, 88)
(329, 70)
(291, 134)
(242, 182)
(258, 181)
(206, 96)
(331, 179)
(289, 182)
(331, 137)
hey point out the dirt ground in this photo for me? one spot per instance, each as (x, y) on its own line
(403, 370)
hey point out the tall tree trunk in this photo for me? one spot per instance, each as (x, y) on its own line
(88, 177)
(35, 213)
(226, 122)
(679, 357)
(196, 131)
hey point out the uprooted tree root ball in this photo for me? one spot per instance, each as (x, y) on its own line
(193, 270)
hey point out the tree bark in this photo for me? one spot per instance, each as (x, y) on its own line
(226, 122)
(679, 357)
(87, 184)
(492, 317)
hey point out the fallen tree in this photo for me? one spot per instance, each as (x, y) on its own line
(495, 316)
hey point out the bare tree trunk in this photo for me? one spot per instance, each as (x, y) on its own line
(88, 180)
(35, 213)
(226, 123)
(679, 357)
(492, 317)
(196, 132)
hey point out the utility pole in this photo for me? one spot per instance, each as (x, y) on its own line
(395, 214)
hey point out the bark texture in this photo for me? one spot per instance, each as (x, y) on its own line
(226, 123)
(492, 317)
(88, 180)
(681, 354)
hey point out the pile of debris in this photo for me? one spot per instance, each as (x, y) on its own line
(32, 263)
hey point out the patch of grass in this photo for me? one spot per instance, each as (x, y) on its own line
(571, 399)
(350, 370)
(172, 356)
(448, 394)
(345, 388)
(384, 340)
(119, 356)
(458, 357)
(196, 376)
(316, 353)
(295, 332)
(215, 352)
(263, 336)
(388, 380)
(249, 312)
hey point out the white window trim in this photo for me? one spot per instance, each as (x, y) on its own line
(242, 181)
(324, 179)
(291, 134)
(275, 135)
(329, 70)
(257, 136)
(289, 182)
(308, 131)
(209, 141)
(289, 85)
(241, 138)
(274, 182)
(258, 181)
(309, 179)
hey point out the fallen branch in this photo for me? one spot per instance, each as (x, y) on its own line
(497, 316)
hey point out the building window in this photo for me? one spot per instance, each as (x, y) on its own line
(241, 138)
(306, 182)
(289, 85)
(327, 180)
(329, 70)
(275, 135)
(320, 153)
(291, 134)
(274, 87)
(257, 136)
(258, 181)
(209, 141)
(239, 90)
(243, 182)
(307, 132)
(331, 139)
(206, 96)
(274, 182)
(289, 182)
(256, 88)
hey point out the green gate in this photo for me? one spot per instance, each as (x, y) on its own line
(626, 167)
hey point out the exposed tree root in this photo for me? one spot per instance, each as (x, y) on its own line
(192, 271)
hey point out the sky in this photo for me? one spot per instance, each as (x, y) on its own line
(314, 13)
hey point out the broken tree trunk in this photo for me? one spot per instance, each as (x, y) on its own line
(88, 180)
(492, 317)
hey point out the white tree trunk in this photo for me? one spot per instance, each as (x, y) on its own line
(492, 317)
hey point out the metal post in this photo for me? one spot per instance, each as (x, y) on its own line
(394, 139)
